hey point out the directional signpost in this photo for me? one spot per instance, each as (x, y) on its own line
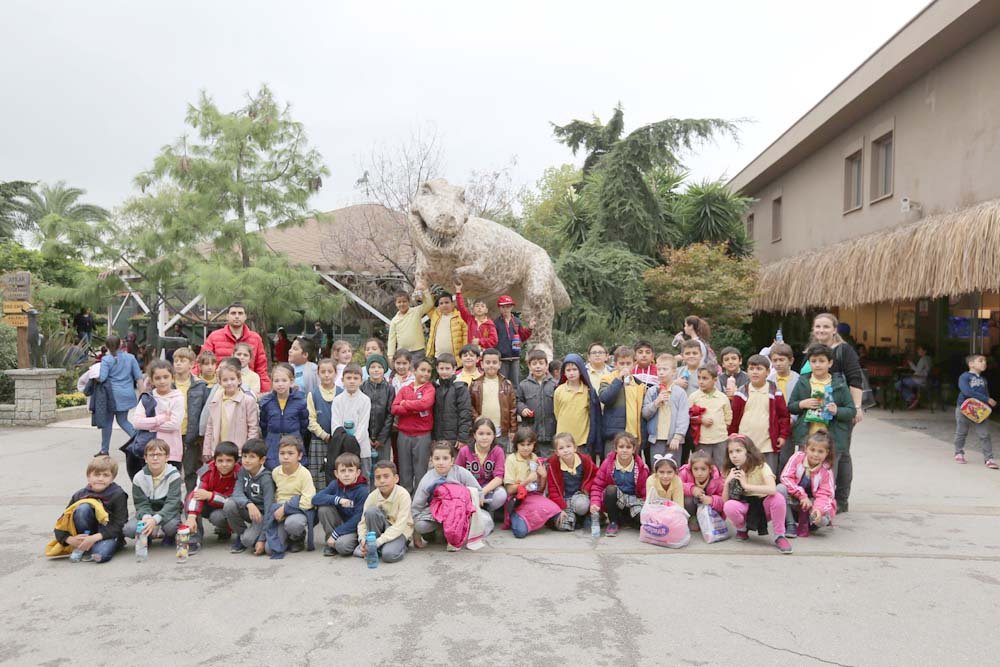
(16, 303)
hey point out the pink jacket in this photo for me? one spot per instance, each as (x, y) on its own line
(822, 483)
(244, 424)
(714, 488)
(606, 477)
(168, 430)
(452, 507)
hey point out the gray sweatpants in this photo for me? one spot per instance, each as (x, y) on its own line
(216, 516)
(240, 523)
(169, 528)
(414, 453)
(717, 452)
(962, 427)
(377, 522)
(662, 448)
(330, 518)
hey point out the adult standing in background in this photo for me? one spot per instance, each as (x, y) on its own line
(223, 341)
(511, 337)
(84, 325)
(121, 370)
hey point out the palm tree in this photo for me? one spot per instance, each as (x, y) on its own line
(629, 210)
(10, 221)
(49, 211)
(711, 213)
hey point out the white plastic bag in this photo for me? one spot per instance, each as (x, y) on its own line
(713, 526)
(664, 525)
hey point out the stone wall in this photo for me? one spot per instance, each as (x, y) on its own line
(34, 397)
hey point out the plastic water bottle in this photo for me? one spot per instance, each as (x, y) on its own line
(183, 542)
(141, 543)
(778, 336)
(371, 555)
(349, 427)
(827, 399)
(533, 466)
(595, 524)
(77, 554)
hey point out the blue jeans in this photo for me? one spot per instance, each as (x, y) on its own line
(84, 519)
(518, 526)
(122, 417)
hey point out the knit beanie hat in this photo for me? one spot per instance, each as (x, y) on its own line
(376, 359)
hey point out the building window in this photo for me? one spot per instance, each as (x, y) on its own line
(882, 167)
(750, 226)
(852, 182)
(776, 220)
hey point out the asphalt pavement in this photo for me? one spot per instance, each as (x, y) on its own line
(911, 576)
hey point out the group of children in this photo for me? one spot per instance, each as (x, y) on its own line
(446, 446)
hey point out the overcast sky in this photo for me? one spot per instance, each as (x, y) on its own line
(93, 89)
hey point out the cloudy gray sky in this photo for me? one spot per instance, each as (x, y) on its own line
(94, 89)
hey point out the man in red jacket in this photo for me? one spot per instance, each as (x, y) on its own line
(223, 341)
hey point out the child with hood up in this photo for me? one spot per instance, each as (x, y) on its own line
(577, 407)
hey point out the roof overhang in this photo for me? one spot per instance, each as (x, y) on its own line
(944, 255)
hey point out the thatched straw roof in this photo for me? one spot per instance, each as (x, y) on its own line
(943, 255)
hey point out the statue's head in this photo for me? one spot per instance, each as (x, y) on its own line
(438, 212)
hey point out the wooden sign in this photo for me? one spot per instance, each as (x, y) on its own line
(16, 286)
(16, 307)
(20, 320)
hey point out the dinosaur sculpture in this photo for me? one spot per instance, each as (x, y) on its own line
(488, 258)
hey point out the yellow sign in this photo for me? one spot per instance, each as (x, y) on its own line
(15, 307)
(15, 320)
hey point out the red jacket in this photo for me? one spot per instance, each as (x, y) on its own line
(556, 485)
(779, 423)
(221, 487)
(485, 332)
(716, 485)
(605, 478)
(222, 343)
(414, 409)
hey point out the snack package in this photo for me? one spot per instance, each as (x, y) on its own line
(976, 410)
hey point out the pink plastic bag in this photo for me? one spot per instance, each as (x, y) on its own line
(665, 525)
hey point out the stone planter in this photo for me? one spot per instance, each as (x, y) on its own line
(34, 396)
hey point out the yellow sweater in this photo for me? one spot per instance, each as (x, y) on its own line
(406, 332)
(397, 511)
(655, 490)
(299, 483)
(717, 407)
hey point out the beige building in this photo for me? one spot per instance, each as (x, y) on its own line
(882, 203)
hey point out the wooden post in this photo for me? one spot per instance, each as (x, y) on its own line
(23, 353)
(16, 296)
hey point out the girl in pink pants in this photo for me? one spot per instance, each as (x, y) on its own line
(750, 495)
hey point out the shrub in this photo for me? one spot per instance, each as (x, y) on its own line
(70, 400)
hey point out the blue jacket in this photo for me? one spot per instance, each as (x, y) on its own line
(971, 385)
(275, 422)
(680, 416)
(331, 495)
(122, 371)
(595, 439)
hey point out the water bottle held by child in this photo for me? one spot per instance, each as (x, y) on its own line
(183, 542)
(141, 542)
(371, 550)
(77, 554)
(778, 336)
(827, 399)
(349, 427)
(595, 524)
(533, 467)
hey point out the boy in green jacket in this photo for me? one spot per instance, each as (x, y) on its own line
(811, 400)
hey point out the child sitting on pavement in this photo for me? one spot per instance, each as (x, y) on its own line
(341, 505)
(443, 470)
(216, 481)
(102, 497)
(252, 495)
(571, 476)
(387, 514)
(286, 523)
(156, 494)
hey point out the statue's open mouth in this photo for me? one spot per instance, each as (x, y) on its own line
(437, 239)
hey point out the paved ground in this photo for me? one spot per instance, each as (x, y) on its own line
(910, 577)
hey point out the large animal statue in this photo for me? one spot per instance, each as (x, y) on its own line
(488, 258)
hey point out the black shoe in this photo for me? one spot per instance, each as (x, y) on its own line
(102, 454)
(295, 546)
(841, 507)
(223, 535)
(193, 548)
(327, 551)
(237, 546)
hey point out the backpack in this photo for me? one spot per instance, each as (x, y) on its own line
(136, 445)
